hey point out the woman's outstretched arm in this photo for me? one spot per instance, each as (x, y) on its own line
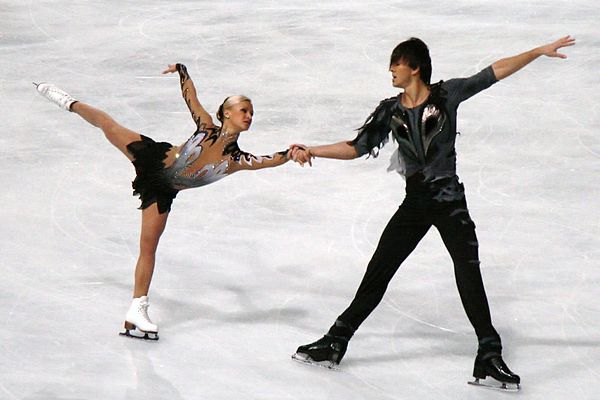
(188, 90)
(246, 161)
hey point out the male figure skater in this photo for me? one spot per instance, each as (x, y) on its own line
(422, 120)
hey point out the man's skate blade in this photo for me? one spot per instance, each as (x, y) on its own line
(493, 384)
(139, 335)
(304, 359)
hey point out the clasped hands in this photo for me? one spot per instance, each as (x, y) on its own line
(300, 154)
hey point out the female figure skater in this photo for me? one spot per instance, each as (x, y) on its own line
(211, 153)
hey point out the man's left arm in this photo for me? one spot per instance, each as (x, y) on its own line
(508, 66)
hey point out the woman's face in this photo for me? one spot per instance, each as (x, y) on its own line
(240, 116)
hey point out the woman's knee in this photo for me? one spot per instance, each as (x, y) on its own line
(120, 137)
(153, 225)
(110, 127)
(149, 241)
(148, 247)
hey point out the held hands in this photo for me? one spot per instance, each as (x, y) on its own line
(300, 154)
(170, 69)
(550, 50)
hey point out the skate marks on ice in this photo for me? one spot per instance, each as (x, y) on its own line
(364, 381)
(148, 21)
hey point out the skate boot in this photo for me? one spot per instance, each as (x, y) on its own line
(55, 95)
(329, 350)
(137, 320)
(489, 363)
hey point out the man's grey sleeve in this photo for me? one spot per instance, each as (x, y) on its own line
(373, 135)
(460, 89)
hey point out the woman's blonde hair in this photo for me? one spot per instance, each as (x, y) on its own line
(230, 102)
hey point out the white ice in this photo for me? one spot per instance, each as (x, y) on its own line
(261, 262)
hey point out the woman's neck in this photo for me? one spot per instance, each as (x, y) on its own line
(229, 133)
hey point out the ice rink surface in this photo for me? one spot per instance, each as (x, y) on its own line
(261, 262)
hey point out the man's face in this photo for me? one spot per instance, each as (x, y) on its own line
(402, 74)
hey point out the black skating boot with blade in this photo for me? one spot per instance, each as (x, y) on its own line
(329, 350)
(489, 362)
(496, 368)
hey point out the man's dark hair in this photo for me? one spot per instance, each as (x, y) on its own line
(415, 54)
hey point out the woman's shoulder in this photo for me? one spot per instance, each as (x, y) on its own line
(209, 128)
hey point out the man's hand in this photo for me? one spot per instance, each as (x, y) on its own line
(508, 66)
(550, 50)
(301, 154)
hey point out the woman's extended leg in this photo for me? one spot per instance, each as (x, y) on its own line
(118, 135)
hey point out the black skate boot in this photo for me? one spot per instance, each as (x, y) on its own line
(489, 362)
(329, 350)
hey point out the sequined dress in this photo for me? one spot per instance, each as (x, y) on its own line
(210, 154)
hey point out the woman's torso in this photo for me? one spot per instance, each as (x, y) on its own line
(202, 159)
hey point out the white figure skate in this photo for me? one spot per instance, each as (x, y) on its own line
(55, 95)
(137, 319)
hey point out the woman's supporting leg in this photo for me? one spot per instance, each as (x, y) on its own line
(153, 225)
(116, 134)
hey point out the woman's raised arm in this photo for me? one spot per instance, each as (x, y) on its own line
(188, 90)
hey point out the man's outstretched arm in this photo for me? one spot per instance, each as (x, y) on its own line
(340, 151)
(508, 66)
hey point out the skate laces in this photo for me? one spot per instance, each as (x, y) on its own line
(54, 94)
(57, 94)
(143, 311)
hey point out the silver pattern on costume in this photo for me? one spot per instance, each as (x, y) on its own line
(397, 164)
(190, 152)
(432, 123)
(400, 127)
(251, 159)
(208, 174)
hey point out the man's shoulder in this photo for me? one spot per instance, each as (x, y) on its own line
(389, 100)
(388, 103)
(439, 90)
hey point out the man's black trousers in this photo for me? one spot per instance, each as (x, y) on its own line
(418, 212)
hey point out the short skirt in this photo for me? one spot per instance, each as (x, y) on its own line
(151, 183)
